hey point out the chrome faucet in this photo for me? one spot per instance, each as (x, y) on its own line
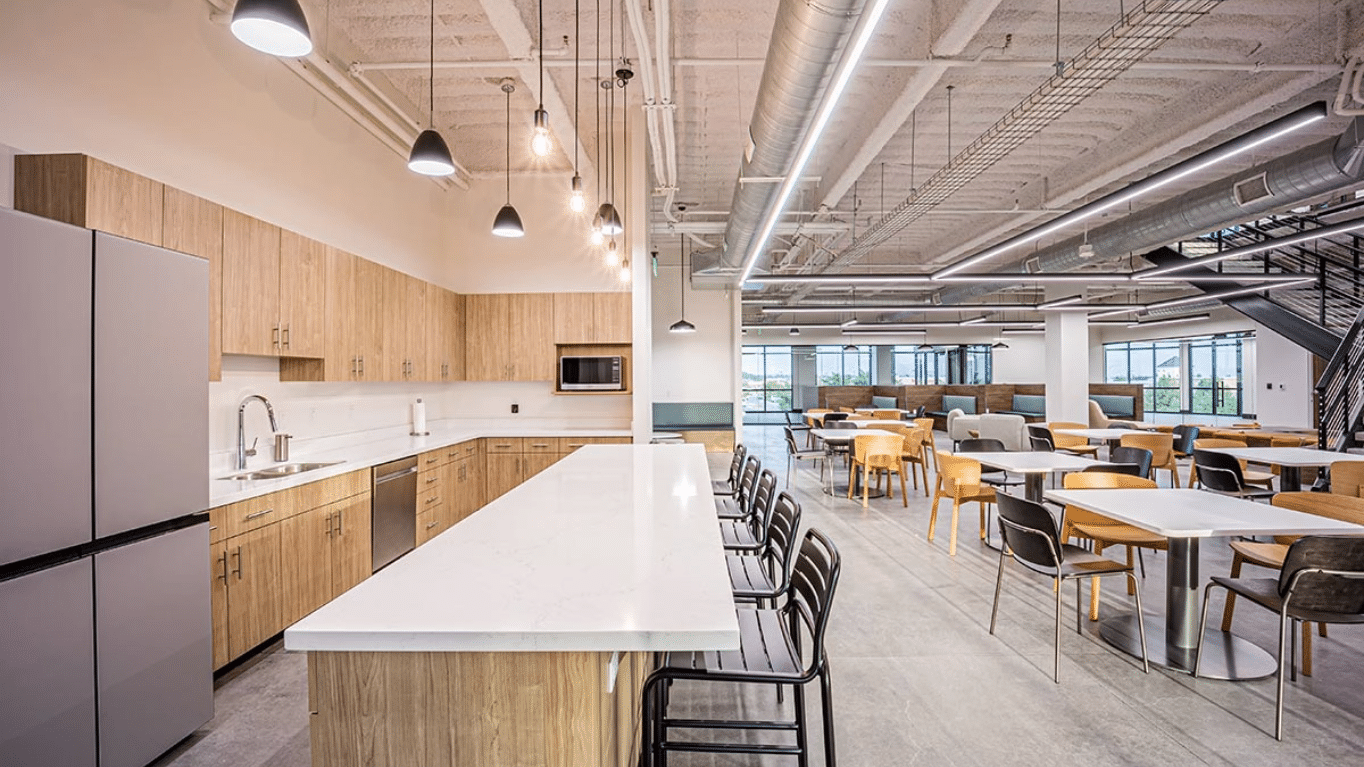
(242, 452)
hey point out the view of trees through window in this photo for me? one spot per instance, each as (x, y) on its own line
(1201, 376)
(767, 379)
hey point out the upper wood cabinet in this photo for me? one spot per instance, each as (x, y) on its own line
(351, 327)
(444, 335)
(592, 318)
(86, 192)
(250, 285)
(509, 337)
(194, 225)
(404, 327)
(302, 295)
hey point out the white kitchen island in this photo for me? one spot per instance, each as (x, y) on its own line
(521, 635)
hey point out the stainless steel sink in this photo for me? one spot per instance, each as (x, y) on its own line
(282, 470)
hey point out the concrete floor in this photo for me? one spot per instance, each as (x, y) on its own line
(919, 680)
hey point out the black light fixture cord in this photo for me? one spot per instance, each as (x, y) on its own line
(509, 93)
(542, 54)
(611, 109)
(596, 55)
(682, 272)
(431, 80)
(577, 75)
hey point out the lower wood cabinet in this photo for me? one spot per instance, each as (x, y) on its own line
(449, 487)
(268, 571)
(511, 461)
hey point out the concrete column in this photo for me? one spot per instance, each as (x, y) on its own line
(883, 365)
(1067, 343)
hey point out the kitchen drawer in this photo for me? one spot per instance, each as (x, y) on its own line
(462, 450)
(430, 478)
(243, 516)
(540, 444)
(428, 526)
(503, 445)
(330, 490)
(569, 444)
(433, 458)
(429, 497)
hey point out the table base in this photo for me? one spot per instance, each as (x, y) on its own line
(1225, 656)
(842, 492)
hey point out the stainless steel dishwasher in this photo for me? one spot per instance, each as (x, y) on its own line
(394, 511)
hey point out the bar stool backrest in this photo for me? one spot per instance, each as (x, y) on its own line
(1029, 534)
(760, 508)
(1324, 575)
(814, 579)
(746, 481)
(782, 539)
(736, 465)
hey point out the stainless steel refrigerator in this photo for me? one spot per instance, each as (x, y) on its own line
(105, 623)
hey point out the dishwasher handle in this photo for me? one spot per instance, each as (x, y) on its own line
(394, 475)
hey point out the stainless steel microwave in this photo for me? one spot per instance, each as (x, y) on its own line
(590, 374)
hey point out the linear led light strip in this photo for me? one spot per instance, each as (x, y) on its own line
(1057, 277)
(1168, 321)
(1221, 294)
(1249, 250)
(1262, 135)
(904, 327)
(861, 38)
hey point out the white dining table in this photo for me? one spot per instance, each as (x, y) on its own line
(1290, 460)
(1185, 517)
(846, 437)
(1034, 466)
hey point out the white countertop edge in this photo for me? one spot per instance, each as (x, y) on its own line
(364, 456)
(436, 641)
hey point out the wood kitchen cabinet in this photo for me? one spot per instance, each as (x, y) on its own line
(592, 318)
(444, 335)
(194, 225)
(250, 285)
(302, 295)
(277, 557)
(81, 190)
(353, 292)
(404, 327)
(509, 461)
(509, 337)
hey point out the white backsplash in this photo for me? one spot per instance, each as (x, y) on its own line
(322, 415)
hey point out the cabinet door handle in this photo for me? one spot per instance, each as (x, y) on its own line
(329, 525)
(274, 335)
(238, 555)
(341, 522)
(433, 499)
(354, 366)
(432, 459)
(223, 560)
(430, 525)
(286, 335)
(258, 514)
(429, 480)
(362, 367)
(539, 444)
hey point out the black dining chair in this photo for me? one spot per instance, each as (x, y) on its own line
(844, 449)
(1322, 581)
(1031, 538)
(1132, 456)
(795, 454)
(1039, 437)
(1221, 473)
(783, 646)
(996, 477)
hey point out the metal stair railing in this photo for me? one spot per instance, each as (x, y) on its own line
(1340, 392)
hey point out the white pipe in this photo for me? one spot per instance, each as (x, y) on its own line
(649, 78)
(387, 66)
(950, 62)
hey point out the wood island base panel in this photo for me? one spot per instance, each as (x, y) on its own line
(474, 709)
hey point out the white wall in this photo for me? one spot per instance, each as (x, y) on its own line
(1283, 380)
(700, 366)
(6, 176)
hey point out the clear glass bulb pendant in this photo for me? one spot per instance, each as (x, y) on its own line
(539, 140)
(612, 255)
(576, 201)
(625, 270)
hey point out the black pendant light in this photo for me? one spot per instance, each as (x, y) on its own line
(576, 201)
(540, 144)
(508, 222)
(610, 218)
(682, 326)
(430, 155)
(276, 27)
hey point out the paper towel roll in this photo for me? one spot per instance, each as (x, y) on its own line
(419, 417)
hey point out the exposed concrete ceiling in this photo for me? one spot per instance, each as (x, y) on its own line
(1239, 66)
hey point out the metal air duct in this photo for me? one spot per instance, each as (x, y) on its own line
(1325, 167)
(807, 40)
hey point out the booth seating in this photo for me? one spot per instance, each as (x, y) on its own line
(1098, 419)
(1120, 406)
(884, 403)
(1030, 406)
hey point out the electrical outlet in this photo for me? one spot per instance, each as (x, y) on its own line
(516, 408)
(1269, 386)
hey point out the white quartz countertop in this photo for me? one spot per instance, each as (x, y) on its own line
(615, 547)
(364, 453)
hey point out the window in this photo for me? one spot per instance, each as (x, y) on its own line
(971, 364)
(767, 379)
(836, 366)
(1182, 375)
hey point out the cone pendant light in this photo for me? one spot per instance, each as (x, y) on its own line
(682, 326)
(276, 27)
(430, 155)
(508, 221)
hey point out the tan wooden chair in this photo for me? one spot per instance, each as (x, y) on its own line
(1251, 476)
(1104, 531)
(1271, 555)
(930, 446)
(1162, 447)
(886, 415)
(878, 453)
(912, 452)
(958, 479)
(847, 410)
(1347, 478)
(1072, 444)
